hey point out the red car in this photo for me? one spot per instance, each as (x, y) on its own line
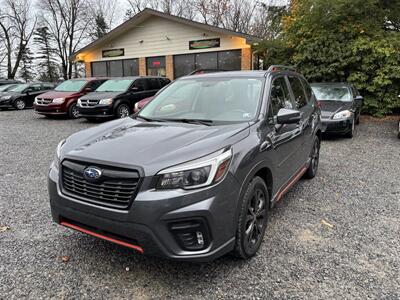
(139, 105)
(62, 100)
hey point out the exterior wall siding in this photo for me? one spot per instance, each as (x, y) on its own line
(162, 37)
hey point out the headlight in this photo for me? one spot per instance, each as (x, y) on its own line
(106, 101)
(58, 153)
(198, 173)
(342, 115)
(58, 100)
(136, 106)
(5, 97)
(79, 103)
(36, 101)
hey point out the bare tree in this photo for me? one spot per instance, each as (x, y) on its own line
(107, 9)
(68, 22)
(17, 25)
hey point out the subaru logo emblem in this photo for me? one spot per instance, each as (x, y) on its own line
(92, 173)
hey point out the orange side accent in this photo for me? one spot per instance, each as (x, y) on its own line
(291, 183)
(103, 237)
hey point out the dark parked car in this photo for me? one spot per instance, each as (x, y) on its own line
(116, 97)
(340, 107)
(8, 81)
(6, 87)
(63, 99)
(23, 95)
(194, 174)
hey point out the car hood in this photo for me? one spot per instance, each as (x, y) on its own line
(101, 95)
(151, 146)
(58, 94)
(331, 107)
(12, 94)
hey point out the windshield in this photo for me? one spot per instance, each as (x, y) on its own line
(336, 93)
(19, 88)
(115, 85)
(211, 99)
(7, 87)
(71, 86)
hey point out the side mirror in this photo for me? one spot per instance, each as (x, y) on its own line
(135, 89)
(28, 90)
(288, 116)
(87, 90)
(359, 98)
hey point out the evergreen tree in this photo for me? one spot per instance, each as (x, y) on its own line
(48, 70)
(101, 27)
(26, 65)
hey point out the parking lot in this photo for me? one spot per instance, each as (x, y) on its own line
(336, 236)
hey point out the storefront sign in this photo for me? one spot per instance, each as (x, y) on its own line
(114, 52)
(204, 44)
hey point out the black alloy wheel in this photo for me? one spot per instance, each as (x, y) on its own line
(19, 104)
(253, 219)
(73, 111)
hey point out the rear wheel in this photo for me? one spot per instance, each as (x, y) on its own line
(252, 219)
(314, 159)
(19, 104)
(122, 111)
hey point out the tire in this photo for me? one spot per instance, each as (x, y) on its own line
(350, 134)
(314, 160)
(73, 112)
(253, 219)
(19, 104)
(122, 111)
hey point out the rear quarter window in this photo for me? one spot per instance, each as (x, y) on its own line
(153, 83)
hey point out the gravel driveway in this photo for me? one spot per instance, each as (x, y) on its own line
(337, 236)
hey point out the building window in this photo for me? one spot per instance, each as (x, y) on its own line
(131, 67)
(221, 60)
(184, 64)
(156, 66)
(99, 69)
(115, 68)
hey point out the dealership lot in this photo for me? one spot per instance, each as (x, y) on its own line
(336, 236)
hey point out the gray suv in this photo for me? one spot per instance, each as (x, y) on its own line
(194, 174)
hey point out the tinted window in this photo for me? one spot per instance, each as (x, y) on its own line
(298, 91)
(115, 68)
(48, 86)
(164, 81)
(279, 97)
(183, 64)
(36, 87)
(230, 60)
(99, 69)
(131, 67)
(140, 84)
(94, 84)
(207, 60)
(71, 86)
(307, 88)
(153, 84)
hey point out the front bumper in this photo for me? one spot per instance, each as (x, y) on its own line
(50, 109)
(6, 104)
(147, 223)
(98, 111)
(341, 126)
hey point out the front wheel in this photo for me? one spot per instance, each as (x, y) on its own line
(122, 111)
(252, 219)
(73, 112)
(19, 104)
(314, 159)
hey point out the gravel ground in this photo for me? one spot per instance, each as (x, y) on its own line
(336, 236)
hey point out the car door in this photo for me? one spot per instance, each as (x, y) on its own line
(307, 117)
(284, 140)
(139, 92)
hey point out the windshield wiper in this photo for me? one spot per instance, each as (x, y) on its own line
(150, 119)
(193, 121)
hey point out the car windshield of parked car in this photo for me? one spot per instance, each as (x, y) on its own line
(71, 86)
(115, 85)
(332, 93)
(216, 99)
(19, 88)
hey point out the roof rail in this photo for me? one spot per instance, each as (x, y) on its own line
(273, 68)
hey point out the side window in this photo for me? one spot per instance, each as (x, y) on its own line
(154, 84)
(279, 97)
(164, 81)
(298, 91)
(36, 87)
(94, 84)
(140, 84)
(307, 89)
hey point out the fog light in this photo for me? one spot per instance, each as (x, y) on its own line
(200, 239)
(191, 235)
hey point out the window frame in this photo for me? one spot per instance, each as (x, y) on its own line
(107, 64)
(293, 95)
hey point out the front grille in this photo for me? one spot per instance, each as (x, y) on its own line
(43, 101)
(88, 102)
(115, 188)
